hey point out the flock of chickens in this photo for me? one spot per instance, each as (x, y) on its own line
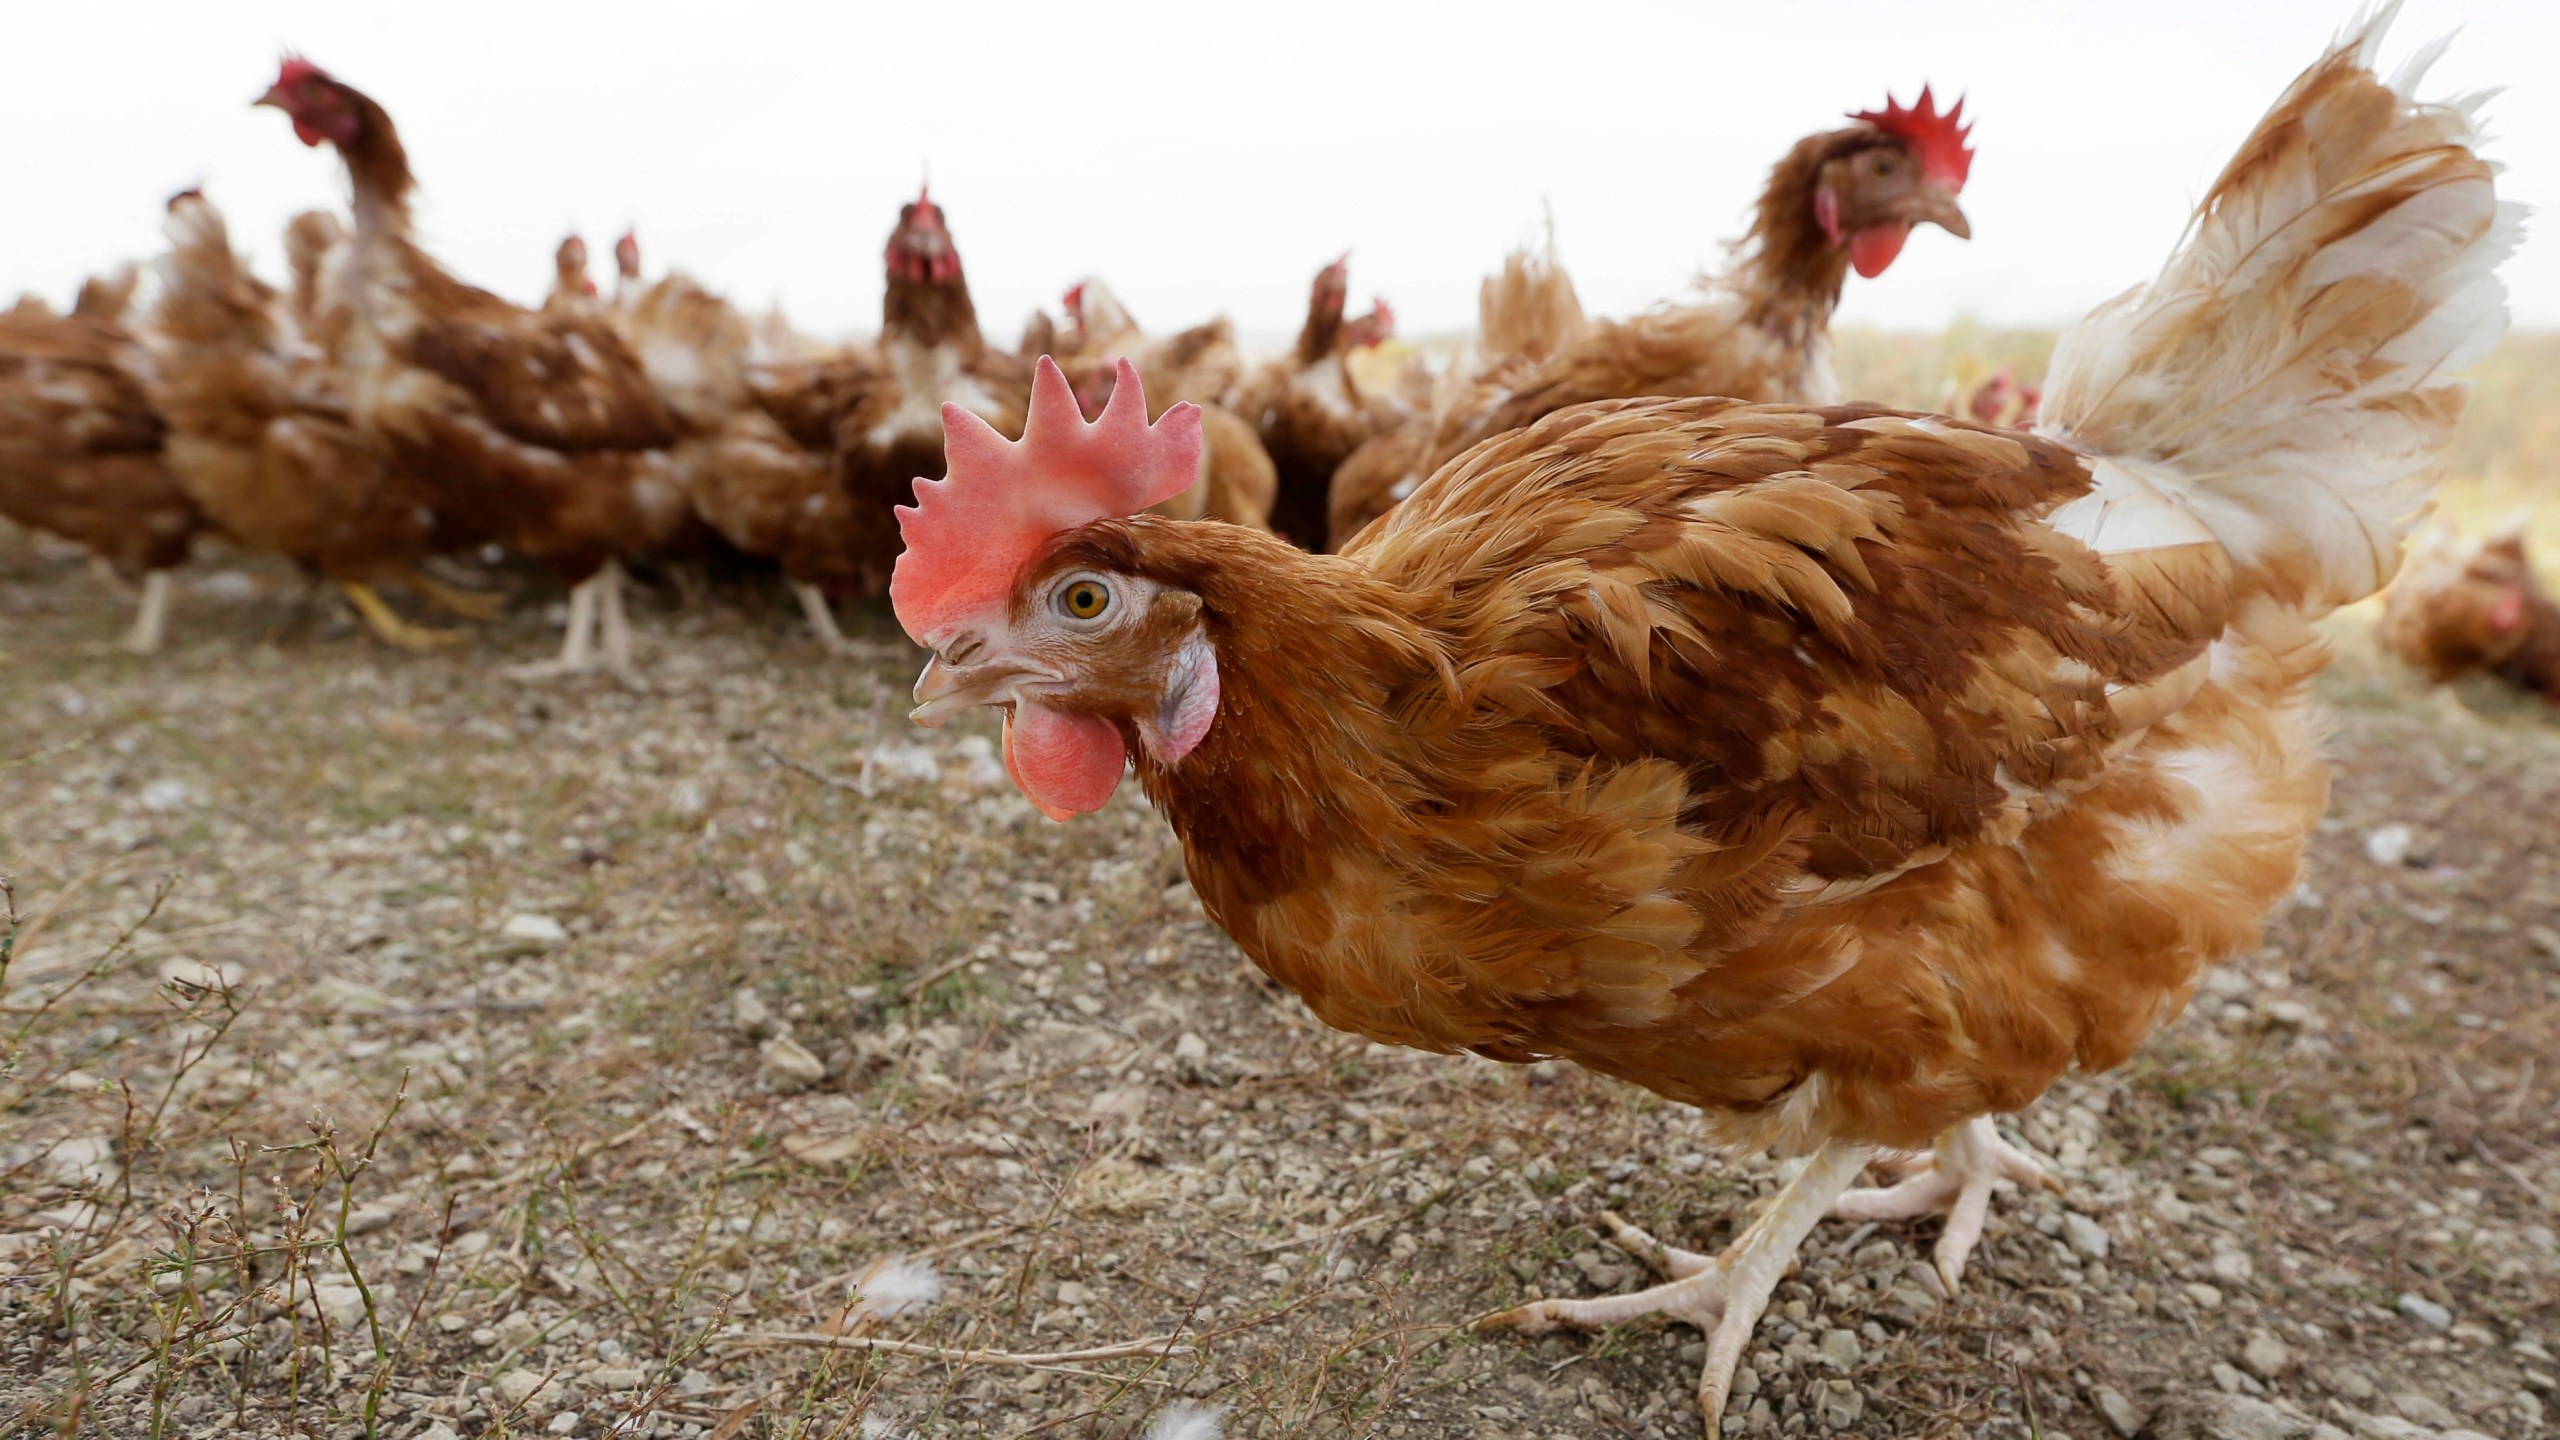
(377, 411)
(1616, 694)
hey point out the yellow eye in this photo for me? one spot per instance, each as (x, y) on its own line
(1084, 599)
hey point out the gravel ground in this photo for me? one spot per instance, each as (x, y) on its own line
(392, 1048)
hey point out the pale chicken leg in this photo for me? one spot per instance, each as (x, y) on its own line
(151, 617)
(1720, 1294)
(595, 604)
(1955, 1182)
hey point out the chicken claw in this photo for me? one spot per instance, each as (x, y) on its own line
(1955, 1182)
(1722, 1294)
(386, 623)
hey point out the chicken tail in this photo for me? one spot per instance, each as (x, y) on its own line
(2284, 383)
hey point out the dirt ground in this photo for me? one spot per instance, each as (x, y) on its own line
(395, 1049)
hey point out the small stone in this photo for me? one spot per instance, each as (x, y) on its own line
(515, 1387)
(368, 1218)
(1190, 1050)
(2201, 1295)
(2426, 1312)
(163, 796)
(2353, 1384)
(749, 1014)
(564, 1423)
(2233, 1268)
(2420, 1410)
(1071, 1293)
(436, 1430)
(2087, 1238)
(532, 934)
(453, 1322)
(341, 1305)
(2391, 1427)
(1908, 1303)
(1596, 1269)
(2172, 1210)
(2266, 1356)
(610, 1378)
(2208, 1416)
(789, 1066)
(1839, 1404)
(2388, 845)
(2226, 1379)
(85, 1160)
(1840, 1349)
(2121, 1414)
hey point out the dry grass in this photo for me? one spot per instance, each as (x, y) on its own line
(346, 1157)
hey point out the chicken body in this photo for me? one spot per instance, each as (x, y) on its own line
(888, 429)
(537, 425)
(83, 448)
(1844, 773)
(749, 477)
(1309, 408)
(2477, 609)
(1761, 331)
(261, 437)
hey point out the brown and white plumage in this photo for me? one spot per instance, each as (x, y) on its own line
(261, 436)
(2478, 608)
(539, 425)
(1309, 408)
(1840, 200)
(1526, 314)
(82, 444)
(1847, 774)
(764, 489)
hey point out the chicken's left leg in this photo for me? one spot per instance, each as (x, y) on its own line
(822, 619)
(577, 646)
(615, 624)
(1956, 1183)
(1723, 1295)
(151, 618)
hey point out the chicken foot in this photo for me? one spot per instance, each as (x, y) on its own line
(1723, 1295)
(1955, 1181)
(151, 617)
(469, 604)
(385, 622)
(578, 646)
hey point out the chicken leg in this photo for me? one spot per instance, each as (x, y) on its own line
(469, 604)
(613, 624)
(822, 618)
(1955, 1182)
(577, 647)
(151, 617)
(386, 623)
(1720, 1294)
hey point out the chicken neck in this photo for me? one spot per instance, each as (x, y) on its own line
(1788, 272)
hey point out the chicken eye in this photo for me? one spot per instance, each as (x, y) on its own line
(1084, 599)
(1884, 166)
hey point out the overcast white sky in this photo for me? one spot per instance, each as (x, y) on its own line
(1203, 158)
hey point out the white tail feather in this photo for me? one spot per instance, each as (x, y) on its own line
(2288, 377)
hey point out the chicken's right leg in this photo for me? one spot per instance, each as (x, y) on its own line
(151, 618)
(1723, 1294)
(577, 649)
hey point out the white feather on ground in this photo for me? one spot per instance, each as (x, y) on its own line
(893, 1286)
(1186, 1421)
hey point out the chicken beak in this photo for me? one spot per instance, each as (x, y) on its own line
(944, 689)
(274, 98)
(1938, 207)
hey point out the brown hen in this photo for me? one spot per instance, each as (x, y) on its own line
(1309, 408)
(1840, 200)
(538, 425)
(261, 436)
(2478, 609)
(82, 445)
(1200, 365)
(1846, 774)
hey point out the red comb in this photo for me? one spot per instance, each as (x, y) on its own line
(295, 70)
(1937, 139)
(969, 535)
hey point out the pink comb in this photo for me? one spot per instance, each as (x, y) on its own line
(1938, 139)
(969, 535)
(295, 70)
